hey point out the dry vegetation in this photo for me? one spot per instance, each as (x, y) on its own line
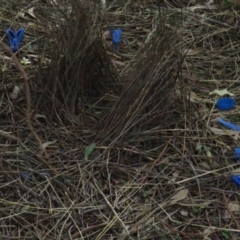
(103, 144)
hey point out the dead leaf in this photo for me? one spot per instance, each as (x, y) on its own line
(13, 95)
(106, 35)
(115, 62)
(175, 175)
(39, 116)
(184, 213)
(224, 132)
(4, 67)
(207, 6)
(221, 92)
(192, 52)
(215, 165)
(30, 12)
(208, 231)
(204, 165)
(182, 194)
(230, 20)
(46, 144)
(233, 207)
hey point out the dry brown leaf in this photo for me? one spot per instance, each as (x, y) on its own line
(106, 35)
(233, 207)
(192, 52)
(224, 132)
(175, 175)
(30, 12)
(207, 6)
(205, 165)
(46, 144)
(208, 231)
(184, 213)
(182, 194)
(39, 116)
(215, 165)
(13, 95)
(115, 62)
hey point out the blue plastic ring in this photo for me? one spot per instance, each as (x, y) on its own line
(225, 103)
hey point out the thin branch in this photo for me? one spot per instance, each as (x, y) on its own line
(28, 97)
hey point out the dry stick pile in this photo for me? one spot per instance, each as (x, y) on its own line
(81, 70)
(146, 104)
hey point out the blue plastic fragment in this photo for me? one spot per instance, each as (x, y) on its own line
(116, 36)
(15, 38)
(237, 154)
(229, 125)
(26, 176)
(225, 103)
(236, 180)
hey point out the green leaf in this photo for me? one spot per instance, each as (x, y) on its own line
(88, 150)
(199, 147)
(25, 61)
(221, 92)
(226, 234)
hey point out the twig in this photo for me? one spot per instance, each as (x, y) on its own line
(6, 135)
(28, 97)
(230, 212)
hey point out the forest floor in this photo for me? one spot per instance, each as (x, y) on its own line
(119, 144)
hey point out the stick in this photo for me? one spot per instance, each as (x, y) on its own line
(28, 97)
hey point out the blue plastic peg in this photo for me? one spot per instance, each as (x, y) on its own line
(229, 125)
(15, 38)
(236, 180)
(237, 154)
(116, 36)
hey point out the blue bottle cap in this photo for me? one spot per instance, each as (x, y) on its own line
(237, 154)
(15, 38)
(225, 103)
(236, 180)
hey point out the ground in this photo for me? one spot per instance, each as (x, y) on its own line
(102, 143)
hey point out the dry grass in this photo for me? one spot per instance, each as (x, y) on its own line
(159, 169)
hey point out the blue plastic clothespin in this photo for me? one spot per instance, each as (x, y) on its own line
(15, 38)
(116, 36)
(229, 125)
(237, 154)
(236, 180)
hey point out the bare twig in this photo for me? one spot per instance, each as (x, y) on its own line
(28, 97)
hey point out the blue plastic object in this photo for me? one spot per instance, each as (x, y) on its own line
(15, 38)
(225, 103)
(229, 125)
(237, 154)
(116, 36)
(236, 180)
(26, 176)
